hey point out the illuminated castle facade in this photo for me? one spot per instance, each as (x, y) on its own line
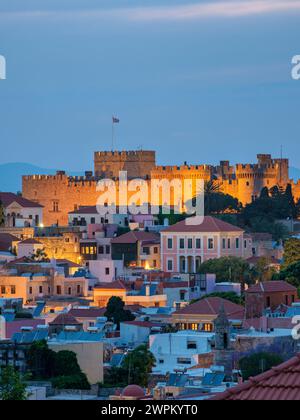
(61, 194)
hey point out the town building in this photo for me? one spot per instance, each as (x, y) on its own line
(185, 246)
(20, 212)
(269, 295)
(200, 316)
(178, 351)
(137, 248)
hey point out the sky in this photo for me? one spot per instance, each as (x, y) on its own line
(197, 81)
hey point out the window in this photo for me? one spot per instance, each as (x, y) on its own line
(3, 290)
(69, 291)
(181, 243)
(268, 302)
(245, 244)
(107, 249)
(155, 250)
(146, 250)
(224, 243)
(58, 290)
(210, 243)
(191, 345)
(183, 361)
(101, 250)
(229, 243)
(93, 220)
(78, 288)
(198, 243)
(13, 290)
(182, 295)
(40, 289)
(286, 300)
(170, 265)
(30, 290)
(170, 243)
(237, 243)
(190, 243)
(154, 263)
(194, 327)
(107, 271)
(161, 361)
(207, 327)
(55, 206)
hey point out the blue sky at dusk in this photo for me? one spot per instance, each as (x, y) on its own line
(198, 81)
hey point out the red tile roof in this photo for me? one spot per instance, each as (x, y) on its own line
(211, 306)
(85, 210)
(145, 324)
(272, 287)
(210, 224)
(7, 198)
(70, 264)
(65, 319)
(175, 284)
(87, 313)
(282, 383)
(135, 236)
(30, 241)
(6, 241)
(112, 285)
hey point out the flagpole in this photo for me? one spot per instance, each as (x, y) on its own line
(112, 135)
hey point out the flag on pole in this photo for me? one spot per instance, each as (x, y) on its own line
(115, 120)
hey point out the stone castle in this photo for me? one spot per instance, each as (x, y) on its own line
(61, 194)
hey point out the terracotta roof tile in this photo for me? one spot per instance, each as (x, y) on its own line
(135, 236)
(7, 198)
(282, 383)
(118, 284)
(272, 287)
(65, 319)
(211, 306)
(210, 224)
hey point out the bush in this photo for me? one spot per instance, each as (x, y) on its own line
(78, 381)
(258, 363)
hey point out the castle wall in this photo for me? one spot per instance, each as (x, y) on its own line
(60, 194)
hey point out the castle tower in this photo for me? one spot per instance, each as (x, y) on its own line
(138, 164)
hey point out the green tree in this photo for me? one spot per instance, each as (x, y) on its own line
(116, 313)
(258, 363)
(227, 269)
(291, 252)
(2, 215)
(41, 360)
(66, 364)
(12, 385)
(138, 365)
(291, 274)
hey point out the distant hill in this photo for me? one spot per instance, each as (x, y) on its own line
(11, 175)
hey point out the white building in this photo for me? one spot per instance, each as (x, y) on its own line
(20, 212)
(89, 215)
(106, 270)
(134, 333)
(179, 350)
